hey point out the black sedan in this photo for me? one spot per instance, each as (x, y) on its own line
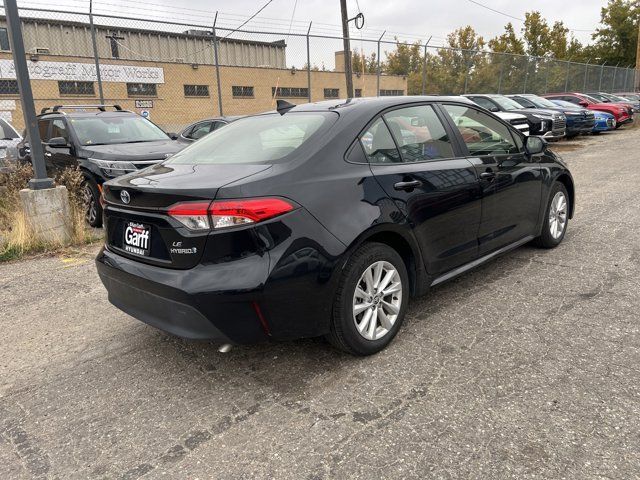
(199, 129)
(324, 219)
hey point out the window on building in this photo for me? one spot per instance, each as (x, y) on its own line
(289, 92)
(196, 90)
(113, 43)
(142, 90)
(391, 93)
(241, 91)
(75, 88)
(4, 39)
(358, 92)
(9, 87)
(331, 93)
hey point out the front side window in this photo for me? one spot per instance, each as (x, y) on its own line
(59, 129)
(378, 144)
(109, 130)
(199, 130)
(483, 134)
(142, 90)
(43, 129)
(75, 88)
(419, 134)
(506, 103)
(260, 139)
(485, 103)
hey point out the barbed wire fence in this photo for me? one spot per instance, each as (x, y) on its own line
(177, 72)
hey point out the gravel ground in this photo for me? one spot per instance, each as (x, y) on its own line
(528, 367)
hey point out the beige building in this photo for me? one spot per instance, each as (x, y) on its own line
(178, 88)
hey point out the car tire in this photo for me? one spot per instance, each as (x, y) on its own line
(556, 218)
(91, 203)
(381, 320)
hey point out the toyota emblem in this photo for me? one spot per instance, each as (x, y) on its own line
(125, 197)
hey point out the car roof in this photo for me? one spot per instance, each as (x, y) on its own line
(373, 103)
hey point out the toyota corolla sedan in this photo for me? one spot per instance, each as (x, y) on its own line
(325, 219)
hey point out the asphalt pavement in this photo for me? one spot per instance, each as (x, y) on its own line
(528, 367)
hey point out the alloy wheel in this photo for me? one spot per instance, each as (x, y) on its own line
(91, 211)
(558, 215)
(377, 300)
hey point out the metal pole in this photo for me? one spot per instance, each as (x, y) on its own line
(378, 69)
(613, 83)
(626, 77)
(586, 69)
(14, 29)
(466, 74)
(501, 71)
(601, 73)
(546, 77)
(347, 48)
(309, 65)
(526, 76)
(215, 59)
(424, 68)
(566, 81)
(95, 52)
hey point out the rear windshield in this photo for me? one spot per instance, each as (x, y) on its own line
(259, 139)
(102, 130)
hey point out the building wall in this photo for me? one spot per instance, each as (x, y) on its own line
(172, 110)
(74, 39)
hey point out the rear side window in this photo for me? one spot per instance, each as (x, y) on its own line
(43, 128)
(483, 134)
(258, 139)
(378, 144)
(485, 103)
(419, 134)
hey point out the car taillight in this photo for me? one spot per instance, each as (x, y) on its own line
(227, 213)
(193, 215)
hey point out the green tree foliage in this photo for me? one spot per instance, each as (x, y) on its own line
(616, 41)
(361, 63)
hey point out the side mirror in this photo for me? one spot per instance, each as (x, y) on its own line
(535, 145)
(58, 142)
(173, 136)
(582, 103)
(494, 109)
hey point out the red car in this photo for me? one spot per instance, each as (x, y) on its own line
(622, 113)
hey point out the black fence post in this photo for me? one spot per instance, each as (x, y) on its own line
(215, 59)
(95, 51)
(309, 64)
(14, 29)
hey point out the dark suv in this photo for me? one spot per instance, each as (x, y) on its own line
(104, 141)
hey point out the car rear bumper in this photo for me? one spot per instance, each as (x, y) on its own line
(187, 303)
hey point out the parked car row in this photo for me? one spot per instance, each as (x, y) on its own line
(107, 141)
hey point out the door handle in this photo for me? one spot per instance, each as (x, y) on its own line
(47, 154)
(489, 175)
(410, 185)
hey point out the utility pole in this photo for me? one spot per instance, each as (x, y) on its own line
(14, 29)
(347, 48)
(637, 82)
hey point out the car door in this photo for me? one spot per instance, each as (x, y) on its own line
(44, 127)
(60, 157)
(412, 156)
(511, 182)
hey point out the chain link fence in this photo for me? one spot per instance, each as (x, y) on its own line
(178, 73)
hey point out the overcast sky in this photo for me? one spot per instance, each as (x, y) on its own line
(417, 17)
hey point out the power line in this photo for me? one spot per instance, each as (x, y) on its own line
(251, 17)
(516, 18)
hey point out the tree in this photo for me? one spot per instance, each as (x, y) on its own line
(508, 42)
(361, 63)
(536, 34)
(616, 41)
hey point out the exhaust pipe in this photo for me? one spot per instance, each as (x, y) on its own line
(225, 348)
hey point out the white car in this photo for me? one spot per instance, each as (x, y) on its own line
(9, 139)
(519, 122)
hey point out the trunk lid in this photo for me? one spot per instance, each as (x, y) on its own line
(136, 222)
